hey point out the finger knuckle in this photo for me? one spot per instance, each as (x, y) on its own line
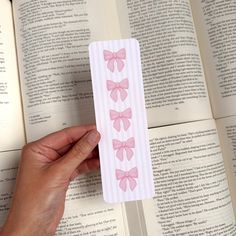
(82, 149)
(67, 135)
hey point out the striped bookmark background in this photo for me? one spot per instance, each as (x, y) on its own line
(138, 129)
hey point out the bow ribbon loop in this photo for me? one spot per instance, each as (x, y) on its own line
(112, 57)
(119, 117)
(118, 87)
(127, 177)
(122, 147)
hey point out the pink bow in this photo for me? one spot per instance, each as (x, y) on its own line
(118, 87)
(113, 57)
(119, 117)
(124, 146)
(127, 176)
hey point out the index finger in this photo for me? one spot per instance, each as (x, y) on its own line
(65, 137)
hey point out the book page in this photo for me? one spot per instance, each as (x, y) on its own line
(215, 23)
(227, 132)
(8, 170)
(86, 213)
(52, 41)
(192, 194)
(11, 118)
(148, 208)
(175, 88)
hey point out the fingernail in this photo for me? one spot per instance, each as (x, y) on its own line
(93, 137)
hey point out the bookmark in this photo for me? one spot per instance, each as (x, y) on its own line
(126, 167)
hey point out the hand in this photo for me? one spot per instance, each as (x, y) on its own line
(47, 166)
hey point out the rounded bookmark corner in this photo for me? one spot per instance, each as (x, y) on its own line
(90, 46)
(107, 200)
(135, 41)
(153, 193)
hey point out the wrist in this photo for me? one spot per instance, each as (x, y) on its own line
(29, 227)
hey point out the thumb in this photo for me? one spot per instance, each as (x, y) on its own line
(79, 152)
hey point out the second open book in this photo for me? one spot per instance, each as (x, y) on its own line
(189, 78)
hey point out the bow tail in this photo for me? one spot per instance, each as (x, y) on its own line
(120, 64)
(116, 124)
(119, 154)
(111, 65)
(132, 183)
(123, 94)
(129, 153)
(123, 184)
(114, 95)
(126, 123)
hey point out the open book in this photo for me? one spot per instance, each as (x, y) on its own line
(189, 67)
